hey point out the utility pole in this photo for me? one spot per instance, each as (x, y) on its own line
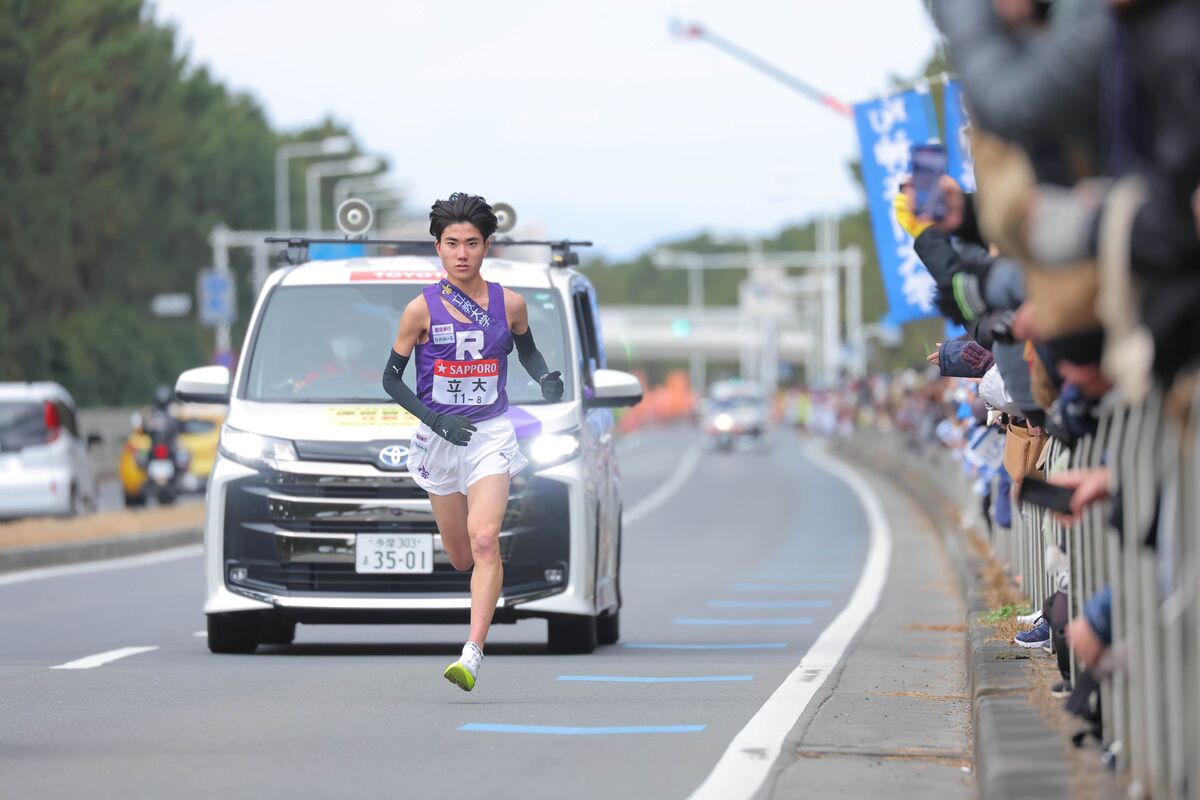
(768, 279)
(695, 264)
(827, 243)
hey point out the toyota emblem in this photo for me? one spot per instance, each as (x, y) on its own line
(393, 456)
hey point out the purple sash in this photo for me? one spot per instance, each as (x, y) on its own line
(466, 305)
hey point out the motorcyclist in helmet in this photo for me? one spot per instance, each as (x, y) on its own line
(159, 423)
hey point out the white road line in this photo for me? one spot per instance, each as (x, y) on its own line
(200, 634)
(687, 465)
(748, 760)
(100, 659)
(127, 562)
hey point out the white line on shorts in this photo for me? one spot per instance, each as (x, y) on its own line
(125, 562)
(748, 760)
(687, 465)
(100, 659)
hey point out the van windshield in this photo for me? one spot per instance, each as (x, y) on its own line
(329, 344)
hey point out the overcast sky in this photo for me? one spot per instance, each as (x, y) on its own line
(587, 117)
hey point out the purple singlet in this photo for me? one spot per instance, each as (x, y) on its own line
(463, 369)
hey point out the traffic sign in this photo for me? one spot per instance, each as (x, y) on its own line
(217, 298)
(171, 305)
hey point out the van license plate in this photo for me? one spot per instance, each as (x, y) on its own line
(394, 552)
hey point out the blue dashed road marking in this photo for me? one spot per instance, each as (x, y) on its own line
(786, 587)
(632, 679)
(697, 646)
(769, 603)
(742, 621)
(554, 730)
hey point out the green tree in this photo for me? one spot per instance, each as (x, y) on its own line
(116, 161)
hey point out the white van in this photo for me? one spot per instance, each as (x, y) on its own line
(44, 462)
(312, 516)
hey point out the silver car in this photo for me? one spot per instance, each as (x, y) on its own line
(44, 462)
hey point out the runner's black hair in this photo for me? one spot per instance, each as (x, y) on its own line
(462, 207)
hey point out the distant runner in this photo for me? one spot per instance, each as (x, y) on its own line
(465, 450)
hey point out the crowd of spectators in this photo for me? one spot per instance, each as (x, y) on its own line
(1074, 268)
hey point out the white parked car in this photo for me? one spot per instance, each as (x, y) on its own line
(44, 462)
(312, 516)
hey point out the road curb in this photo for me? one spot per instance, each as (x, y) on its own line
(1017, 753)
(21, 558)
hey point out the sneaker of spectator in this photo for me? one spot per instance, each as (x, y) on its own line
(1037, 637)
(1061, 689)
(1032, 618)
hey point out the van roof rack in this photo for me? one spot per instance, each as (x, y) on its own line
(562, 254)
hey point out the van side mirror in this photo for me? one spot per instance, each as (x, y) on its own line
(613, 388)
(204, 385)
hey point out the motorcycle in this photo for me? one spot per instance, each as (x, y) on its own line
(164, 462)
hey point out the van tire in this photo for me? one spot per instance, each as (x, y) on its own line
(572, 633)
(608, 627)
(233, 633)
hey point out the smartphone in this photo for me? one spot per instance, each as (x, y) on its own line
(928, 166)
(1046, 495)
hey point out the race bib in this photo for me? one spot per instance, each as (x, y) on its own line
(442, 334)
(466, 383)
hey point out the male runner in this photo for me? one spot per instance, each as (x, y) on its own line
(465, 450)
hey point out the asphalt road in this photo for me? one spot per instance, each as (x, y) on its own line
(728, 580)
(111, 497)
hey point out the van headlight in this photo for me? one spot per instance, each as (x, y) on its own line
(553, 448)
(254, 450)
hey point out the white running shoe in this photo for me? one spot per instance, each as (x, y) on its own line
(462, 672)
(1030, 619)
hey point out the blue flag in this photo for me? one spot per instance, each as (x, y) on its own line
(959, 163)
(887, 128)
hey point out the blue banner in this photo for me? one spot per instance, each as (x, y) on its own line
(954, 331)
(887, 128)
(960, 165)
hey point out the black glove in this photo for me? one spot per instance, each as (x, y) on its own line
(453, 428)
(552, 386)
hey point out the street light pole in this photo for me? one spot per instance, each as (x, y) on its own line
(330, 169)
(361, 186)
(697, 31)
(331, 146)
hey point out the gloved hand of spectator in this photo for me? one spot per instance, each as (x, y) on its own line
(1072, 416)
(902, 205)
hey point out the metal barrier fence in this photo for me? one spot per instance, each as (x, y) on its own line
(1150, 689)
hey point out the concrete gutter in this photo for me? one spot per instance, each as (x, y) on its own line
(20, 558)
(1017, 753)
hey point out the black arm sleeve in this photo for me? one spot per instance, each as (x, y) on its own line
(531, 358)
(393, 384)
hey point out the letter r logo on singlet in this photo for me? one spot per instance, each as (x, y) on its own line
(468, 345)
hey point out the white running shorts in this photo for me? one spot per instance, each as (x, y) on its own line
(442, 468)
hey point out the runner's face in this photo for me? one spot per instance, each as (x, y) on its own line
(462, 249)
